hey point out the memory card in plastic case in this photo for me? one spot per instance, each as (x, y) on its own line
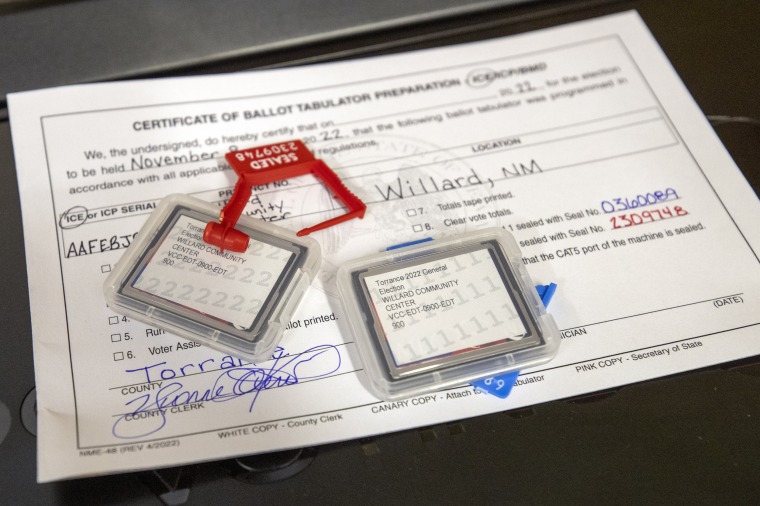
(445, 313)
(237, 303)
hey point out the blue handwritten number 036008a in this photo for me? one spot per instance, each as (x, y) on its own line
(618, 204)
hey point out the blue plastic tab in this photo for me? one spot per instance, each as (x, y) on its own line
(410, 243)
(546, 292)
(501, 385)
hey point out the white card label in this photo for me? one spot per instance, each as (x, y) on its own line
(444, 306)
(227, 285)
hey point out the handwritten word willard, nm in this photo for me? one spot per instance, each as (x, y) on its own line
(421, 186)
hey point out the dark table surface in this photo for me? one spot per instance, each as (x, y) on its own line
(693, 437)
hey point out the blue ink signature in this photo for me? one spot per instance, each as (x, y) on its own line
(233, 383)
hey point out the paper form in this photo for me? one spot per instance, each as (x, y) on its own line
(580, 140)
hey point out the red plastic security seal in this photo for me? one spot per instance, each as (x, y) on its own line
(266, 164)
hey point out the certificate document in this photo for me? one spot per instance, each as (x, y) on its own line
(580, 140)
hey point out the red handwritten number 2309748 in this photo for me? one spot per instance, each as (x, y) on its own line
(649, 216)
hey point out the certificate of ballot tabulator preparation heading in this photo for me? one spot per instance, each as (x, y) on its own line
(580, 140)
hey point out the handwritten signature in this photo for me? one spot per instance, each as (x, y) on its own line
(150, 409)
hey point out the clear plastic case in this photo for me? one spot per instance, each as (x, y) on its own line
(445, 313)
(237, 303)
